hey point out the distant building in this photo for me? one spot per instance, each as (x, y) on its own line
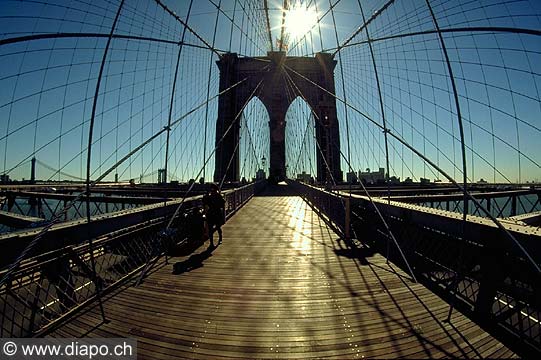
(372, 177)
(4, 179)
(482, 181)
(424, 181)
(351, 177)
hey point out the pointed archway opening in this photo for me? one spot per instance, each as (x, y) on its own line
(300, 142)
(254, 141)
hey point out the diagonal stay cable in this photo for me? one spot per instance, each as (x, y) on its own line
(318, 22)
(363, 26)
(154, 259)
(70, 204)
(218, 143)
(174, 86)
(380, 97)
(220, 10)
(510, 236)
(371, 200)
(292, 84)
(323, 157)
(258, 89)
(89, 152)
(266, 5)
(318, 145)
(472, 29)
(172, 13)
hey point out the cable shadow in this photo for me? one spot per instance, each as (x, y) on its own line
(349, 250)
(400, 318)
(429, 312)
(441, 323)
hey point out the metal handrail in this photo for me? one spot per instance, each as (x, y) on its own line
(47, 288)
(497, 284)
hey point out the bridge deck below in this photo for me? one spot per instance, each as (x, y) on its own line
(281, 285)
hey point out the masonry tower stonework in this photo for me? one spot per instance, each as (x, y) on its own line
(271, 79)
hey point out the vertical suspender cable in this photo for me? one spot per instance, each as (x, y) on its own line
(488, 214)
(173, 93)
(341, 154)
(232, 23)
(89, 155)
(457, 105)
(208, 88)
(265, 3)
(382, 109)
(319, 27)
(462, 142)
(345, 98)
(284, 9)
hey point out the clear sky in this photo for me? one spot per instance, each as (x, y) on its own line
(401, 82)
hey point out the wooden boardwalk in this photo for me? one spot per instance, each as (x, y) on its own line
(281, 285)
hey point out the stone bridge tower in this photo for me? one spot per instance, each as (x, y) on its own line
(277, 93)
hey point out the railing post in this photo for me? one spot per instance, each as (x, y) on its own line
(513, 205)
(65, 213)
(347, 224)
(35, 303)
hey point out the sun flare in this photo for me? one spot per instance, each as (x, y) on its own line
(299, 20)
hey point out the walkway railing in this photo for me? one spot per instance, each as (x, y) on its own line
(49, 286)
(481, 272)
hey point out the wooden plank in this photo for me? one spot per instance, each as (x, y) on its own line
(280, 285)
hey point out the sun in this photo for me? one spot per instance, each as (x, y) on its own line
(299, 20)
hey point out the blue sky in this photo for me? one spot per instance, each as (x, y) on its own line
(47, 86)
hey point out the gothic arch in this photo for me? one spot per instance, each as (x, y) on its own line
(300, 142)
(254, 138)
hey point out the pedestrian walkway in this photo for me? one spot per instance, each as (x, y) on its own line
(282, 285)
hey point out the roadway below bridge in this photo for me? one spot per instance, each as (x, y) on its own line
(283, 285)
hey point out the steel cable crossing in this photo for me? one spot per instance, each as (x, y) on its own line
(377, 13)
(90, 183)
(350, 43)
(411, 77)
(6, 277)
(346, 44)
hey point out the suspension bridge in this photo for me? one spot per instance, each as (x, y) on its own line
(116, 115)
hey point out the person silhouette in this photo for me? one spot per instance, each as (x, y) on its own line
(214, 204)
